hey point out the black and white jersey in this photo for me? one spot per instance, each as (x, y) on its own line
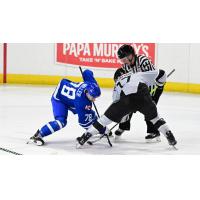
(128, 83)
(141, 64)
(127, 78)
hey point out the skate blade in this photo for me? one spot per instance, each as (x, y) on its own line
(174, 148)
(37, 143)
(79, 146)
(154, 140)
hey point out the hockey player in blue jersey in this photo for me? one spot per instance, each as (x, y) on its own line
(74, 97)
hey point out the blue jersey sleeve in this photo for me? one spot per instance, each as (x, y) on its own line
(88, 76)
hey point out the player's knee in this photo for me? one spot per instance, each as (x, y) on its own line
(61, 122)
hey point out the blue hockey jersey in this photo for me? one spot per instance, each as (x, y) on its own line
(73, 96)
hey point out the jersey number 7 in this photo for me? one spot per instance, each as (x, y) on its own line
(122, 80)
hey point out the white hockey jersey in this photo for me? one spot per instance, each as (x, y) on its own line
(129, 77)
(128, 83)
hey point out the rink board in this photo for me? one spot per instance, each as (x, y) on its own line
(103, 82)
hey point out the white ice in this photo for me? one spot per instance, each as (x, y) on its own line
(24, 109)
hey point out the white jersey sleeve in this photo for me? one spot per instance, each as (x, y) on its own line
(128, 83)
(116, 94)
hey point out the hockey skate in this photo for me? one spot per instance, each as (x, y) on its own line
(110, 134)
(171, 139)
(153, 137)
(118, 134)
(36, 139)
(83, 139)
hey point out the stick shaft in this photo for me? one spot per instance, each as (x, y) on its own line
(170, 73)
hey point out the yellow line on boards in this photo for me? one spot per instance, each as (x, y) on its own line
(103, 82)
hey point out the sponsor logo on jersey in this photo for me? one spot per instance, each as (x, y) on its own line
(88, 107)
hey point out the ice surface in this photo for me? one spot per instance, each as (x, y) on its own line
(24, 109)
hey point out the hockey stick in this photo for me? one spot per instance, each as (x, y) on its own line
(98, 139)
(170, 73)
(118, 123)
(9, 151)
(103, 135)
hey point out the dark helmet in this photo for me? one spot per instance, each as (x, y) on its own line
(93, 89)
(125, 50)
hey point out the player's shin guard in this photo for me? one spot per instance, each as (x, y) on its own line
(161, 125)
(51, 127)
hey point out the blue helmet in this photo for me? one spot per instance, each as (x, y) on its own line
(93, 89)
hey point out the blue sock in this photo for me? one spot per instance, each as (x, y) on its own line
(50, 128)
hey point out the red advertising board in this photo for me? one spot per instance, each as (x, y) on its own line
(98, 54)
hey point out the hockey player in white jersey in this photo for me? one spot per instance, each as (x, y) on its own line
(139, 63)
(133, 95)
